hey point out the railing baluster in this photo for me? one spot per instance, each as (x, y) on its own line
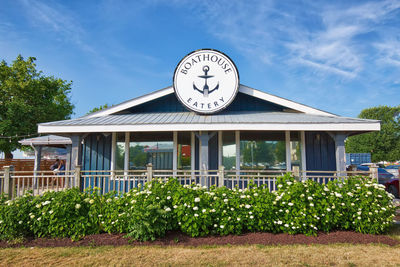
(57, 182)
(115, 181)
(23, 186)
(84, 177)
(18, 187)
(40, 179)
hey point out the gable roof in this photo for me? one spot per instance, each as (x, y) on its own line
(48, 140)
(242, 88)
(225, 120)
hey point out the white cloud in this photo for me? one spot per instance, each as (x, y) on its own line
(389, 51)
(57, 19)
(319, 36)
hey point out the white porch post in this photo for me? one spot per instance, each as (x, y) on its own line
(76, 151)
(113, 150)
(220, 148)
(192, 153)
(36, 168)
(175, 152)
(68, 159)
(38, 157)
(237, 142)
(126, 159)
(340, 153)
(113, 154)
(303, 153)
(288, 152)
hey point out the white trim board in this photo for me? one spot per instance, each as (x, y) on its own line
(242, 88)
(213, 127)
(132, 103)
(282, 101)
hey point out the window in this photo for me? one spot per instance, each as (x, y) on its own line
(295, 150)
(154, 148)
(184, 151)
(229, 150)
(120, 152)
(262, 151)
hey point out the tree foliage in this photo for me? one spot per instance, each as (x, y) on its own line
(383, 145)
(28, 97)
(105, 106)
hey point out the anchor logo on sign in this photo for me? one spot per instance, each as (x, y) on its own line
(206, 91)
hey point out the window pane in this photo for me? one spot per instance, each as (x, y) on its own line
(228, 150)
(143, 149)
(120, 151)
(295, 150)
(262, 151)
(184, 151)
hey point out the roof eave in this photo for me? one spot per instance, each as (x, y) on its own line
(358, 127)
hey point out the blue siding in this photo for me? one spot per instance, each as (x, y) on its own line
(107, 153)
(320, 152)
(97, 152)
(213, 153)
(170, 103)
(96, 156)
(86, 155)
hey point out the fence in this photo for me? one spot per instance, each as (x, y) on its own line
(16, 183)
(25, 164)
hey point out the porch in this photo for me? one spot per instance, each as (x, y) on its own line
(16, 183)
(275, 151)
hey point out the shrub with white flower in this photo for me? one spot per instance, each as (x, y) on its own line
(148, 212)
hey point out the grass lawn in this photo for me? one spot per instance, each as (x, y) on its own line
(299, 255)
(295, 255)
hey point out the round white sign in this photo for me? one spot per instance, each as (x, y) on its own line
(206, 81)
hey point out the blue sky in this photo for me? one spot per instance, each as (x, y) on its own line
(338, 56)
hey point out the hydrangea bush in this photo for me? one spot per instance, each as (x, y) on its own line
(147, 213)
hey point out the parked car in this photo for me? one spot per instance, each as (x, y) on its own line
(383, 175)
(393, 169)
(392, 187)
(380, 165)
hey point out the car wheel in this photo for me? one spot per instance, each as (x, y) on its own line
(393, 190)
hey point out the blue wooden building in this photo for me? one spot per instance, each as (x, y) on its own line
(254, 131)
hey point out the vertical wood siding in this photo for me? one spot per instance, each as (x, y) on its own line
(320, 152)
(97, 152)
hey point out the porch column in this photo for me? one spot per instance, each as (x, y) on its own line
(38, 157)
(76, 151)
(175, 152)
(192, 155)
(113, 150)
(36, 168)
(237, 142)
(68, 161)
(288, 152)
(192, 151)
(220, 148)
(303, 154)
(204, 137)
(126, 159)
(340, 152)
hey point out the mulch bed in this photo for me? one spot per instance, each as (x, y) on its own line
(180, 239)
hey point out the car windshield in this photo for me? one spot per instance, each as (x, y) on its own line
(380, 170)
(392, 167)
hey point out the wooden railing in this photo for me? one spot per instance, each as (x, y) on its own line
(16, 183)
(25, 164)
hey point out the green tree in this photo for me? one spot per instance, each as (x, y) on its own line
(97, 109)
(383, 145)
(27, 97)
